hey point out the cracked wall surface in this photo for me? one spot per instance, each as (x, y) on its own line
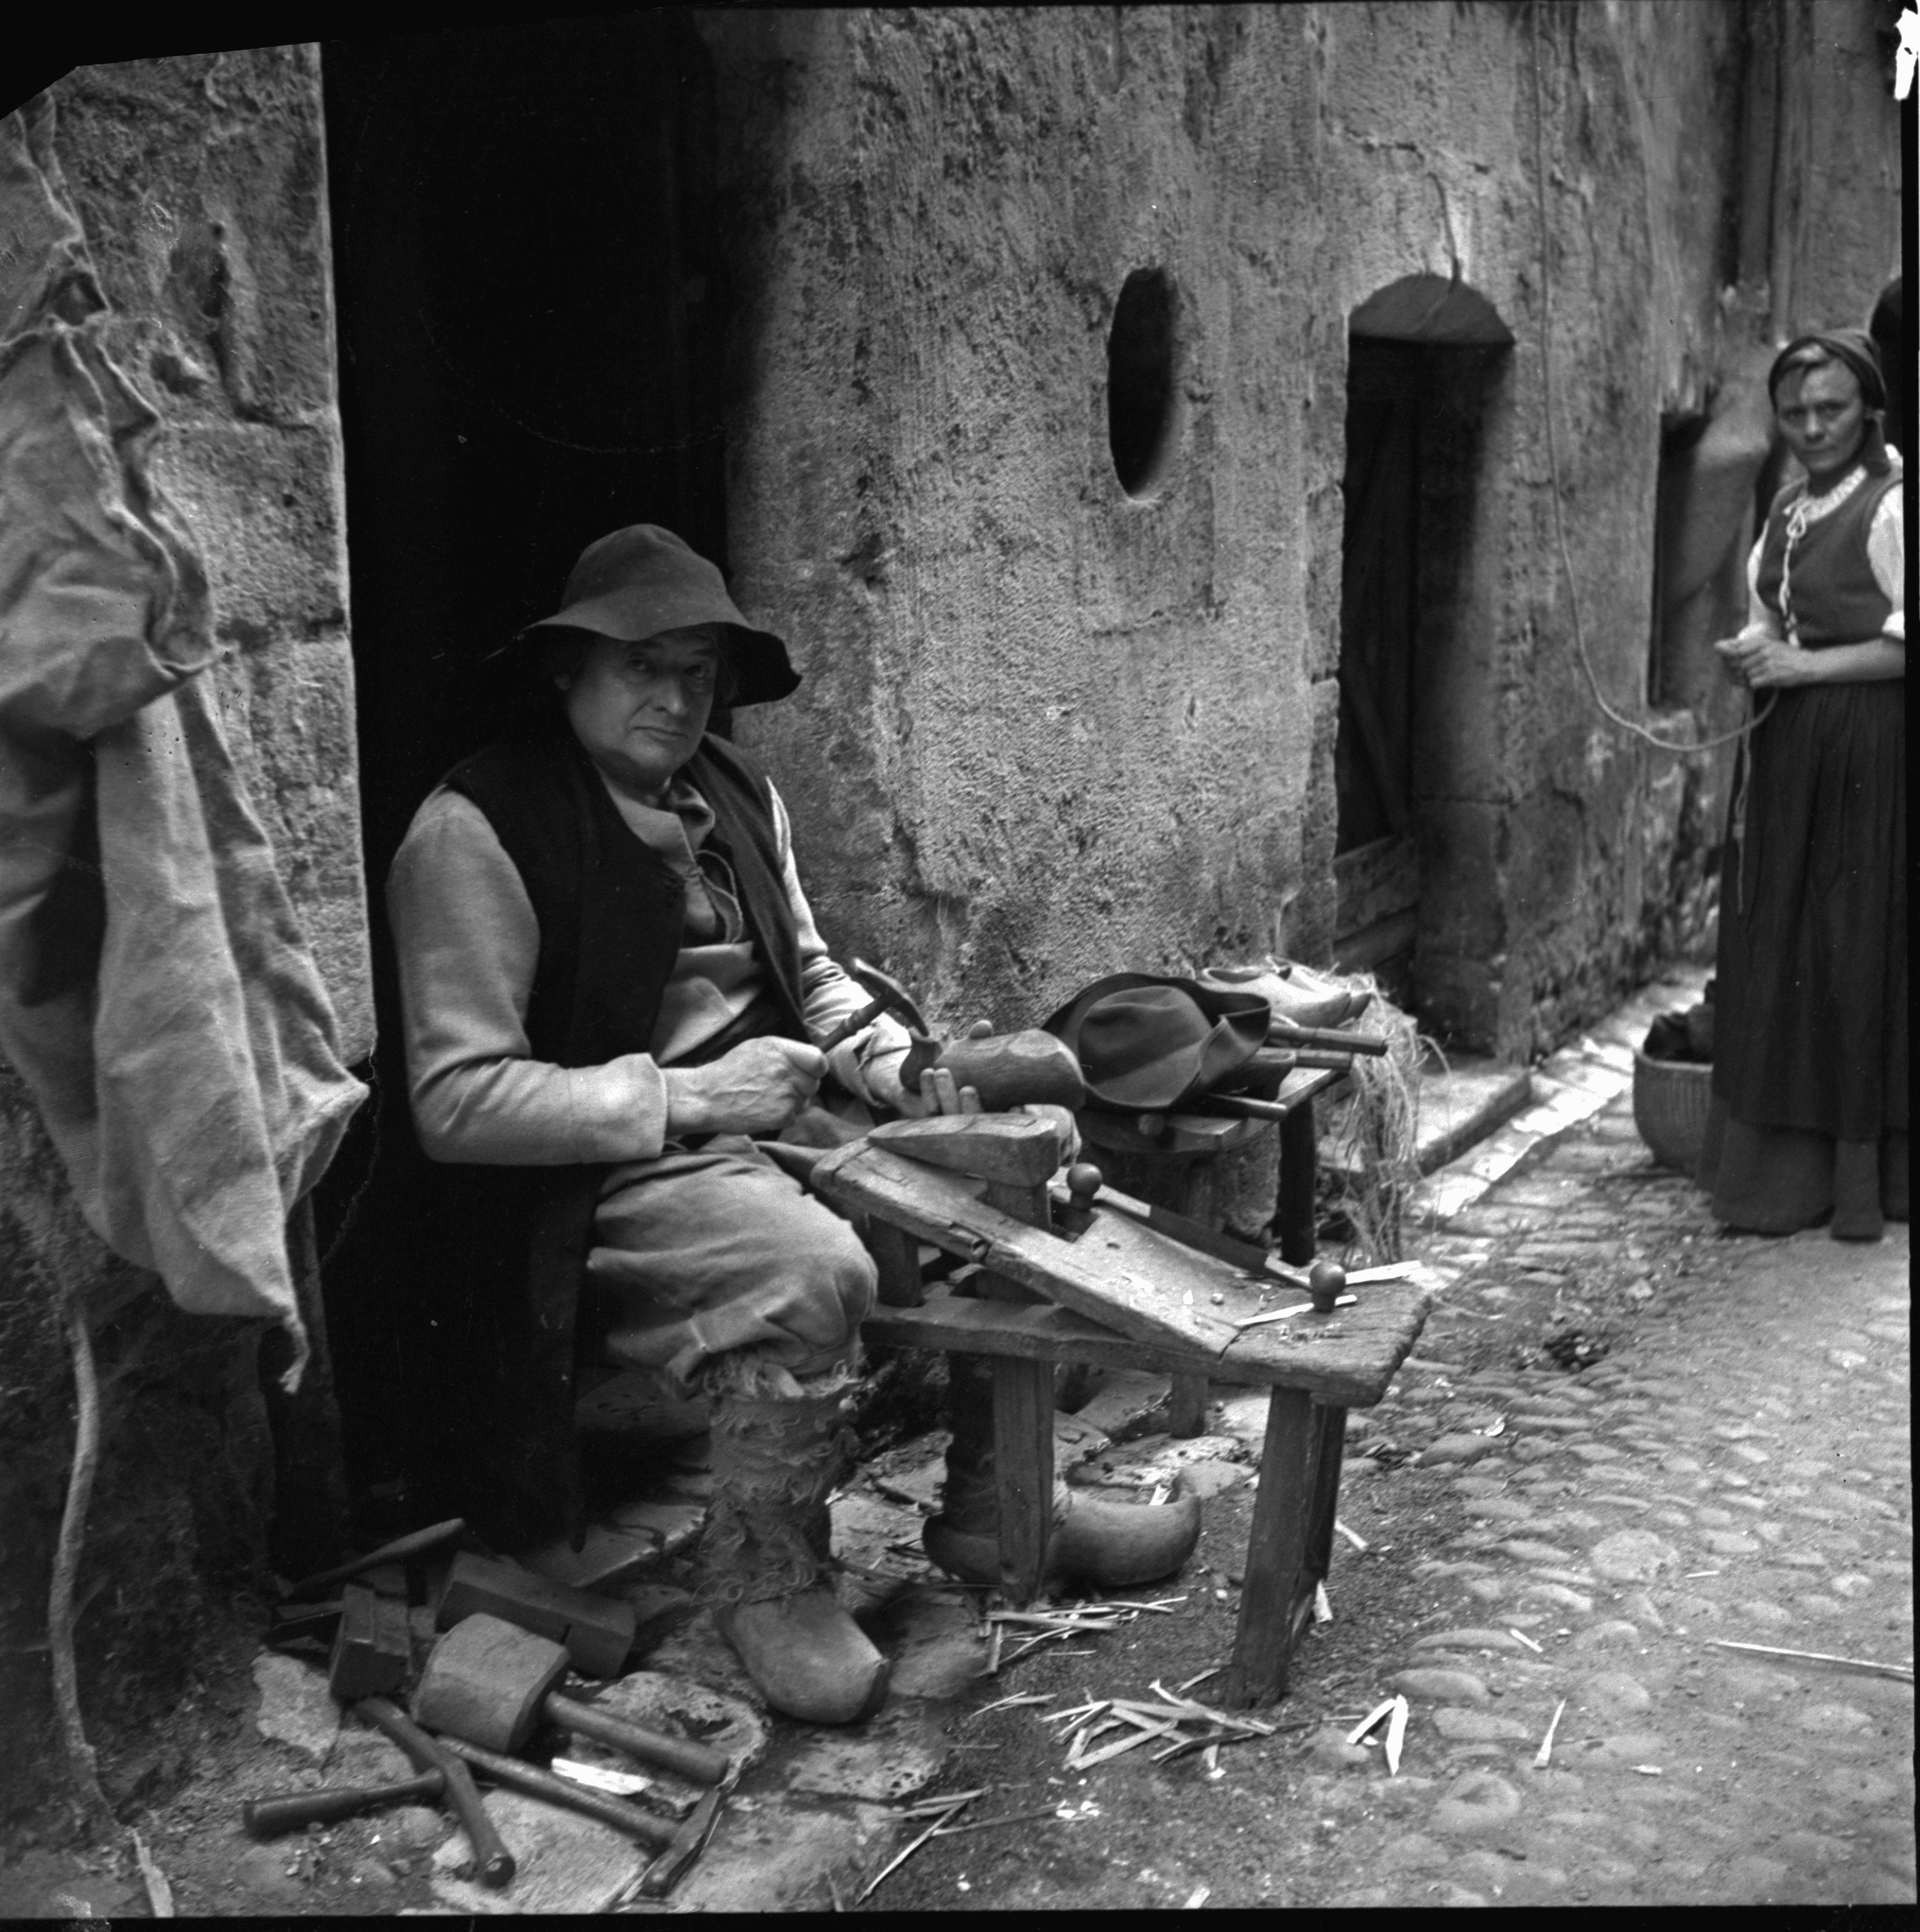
(1048, 732)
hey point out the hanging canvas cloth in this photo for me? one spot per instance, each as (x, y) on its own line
(157, 993)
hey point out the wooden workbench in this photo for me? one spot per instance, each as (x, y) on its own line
(1106, 1289)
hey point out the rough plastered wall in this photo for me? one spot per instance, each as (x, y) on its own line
(1548, 836)
(200, 181)
(1839, 195)
(1048, 732)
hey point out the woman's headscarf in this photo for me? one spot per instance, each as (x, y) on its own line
(1853, 349)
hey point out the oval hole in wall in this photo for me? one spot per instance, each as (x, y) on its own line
(1142, 352)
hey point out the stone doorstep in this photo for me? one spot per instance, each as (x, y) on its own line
(1569, 1088)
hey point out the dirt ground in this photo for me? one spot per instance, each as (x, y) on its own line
(1699, 1437)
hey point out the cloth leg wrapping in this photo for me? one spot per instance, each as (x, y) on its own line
(776, 1459)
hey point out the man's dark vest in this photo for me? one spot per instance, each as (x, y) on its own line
(1849, 606)
(610, 912)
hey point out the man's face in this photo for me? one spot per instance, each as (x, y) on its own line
(1822, 417)
(639, 709)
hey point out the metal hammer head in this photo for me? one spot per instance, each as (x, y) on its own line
(887, 989)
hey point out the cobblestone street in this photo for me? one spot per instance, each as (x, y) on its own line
(1734, 1464)
(1625, 1438)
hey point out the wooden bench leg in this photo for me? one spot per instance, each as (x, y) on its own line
(896, 1257)
(1187, 1406)
(1277, 1551)
(1295, 1220)
(1023, 1464)
(1326, 1494)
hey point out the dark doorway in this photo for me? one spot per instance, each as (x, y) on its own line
(1422, 358)
(522, 233)
(529, 304)
(1376, 865)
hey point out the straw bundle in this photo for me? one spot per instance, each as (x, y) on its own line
(1374, 1167)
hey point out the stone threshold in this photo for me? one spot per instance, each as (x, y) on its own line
(1567, 1090)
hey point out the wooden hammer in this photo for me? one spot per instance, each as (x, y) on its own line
(889, 997)
(490, 1683)
(492, 1861)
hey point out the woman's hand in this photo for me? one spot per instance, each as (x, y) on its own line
(1768, 663)
(1762, 662)
(758, 1088)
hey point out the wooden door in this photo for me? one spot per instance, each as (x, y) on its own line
(1375, 866)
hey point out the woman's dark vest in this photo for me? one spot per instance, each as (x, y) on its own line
(1836, 600)
(610, 912)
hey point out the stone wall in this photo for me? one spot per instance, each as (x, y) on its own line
(200, 181)
(1048, 731)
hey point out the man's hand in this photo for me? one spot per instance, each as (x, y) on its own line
(758, 1088)
(938, 1093)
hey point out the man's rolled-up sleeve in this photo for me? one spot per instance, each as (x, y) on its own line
(866, 1064)
(468, 942)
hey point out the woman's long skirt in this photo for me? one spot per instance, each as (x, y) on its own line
(1810, 1020)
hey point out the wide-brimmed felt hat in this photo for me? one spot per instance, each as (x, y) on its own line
(1146, 1043)
(638, 582)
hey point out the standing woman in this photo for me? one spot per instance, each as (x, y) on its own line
(1809, 1114)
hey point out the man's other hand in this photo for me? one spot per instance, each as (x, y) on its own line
(758, 1088)
(938, 1093)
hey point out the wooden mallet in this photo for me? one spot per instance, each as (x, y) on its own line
(491, 1683)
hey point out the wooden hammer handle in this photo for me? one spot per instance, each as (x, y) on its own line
(688, 1842)
(853, 1023)
(269, 1817)
(402, 1547)
(685, 1760)
(492, 1860)
(1284, 1033)
(659, 1833)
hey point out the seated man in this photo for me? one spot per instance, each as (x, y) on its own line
(611, 982)
(607, 966)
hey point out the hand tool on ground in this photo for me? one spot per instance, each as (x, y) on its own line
(373, 1645)
(676, 1845)
(490, 1683)
(649, 1827)
(493, 1863)
(270, 1817)
(299, 1626)
(598, 1631)
(689, 1841)
(416, 1544)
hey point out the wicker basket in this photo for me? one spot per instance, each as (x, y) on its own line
(1670, 1098)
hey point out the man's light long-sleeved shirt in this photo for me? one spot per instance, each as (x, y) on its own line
(468, 944)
